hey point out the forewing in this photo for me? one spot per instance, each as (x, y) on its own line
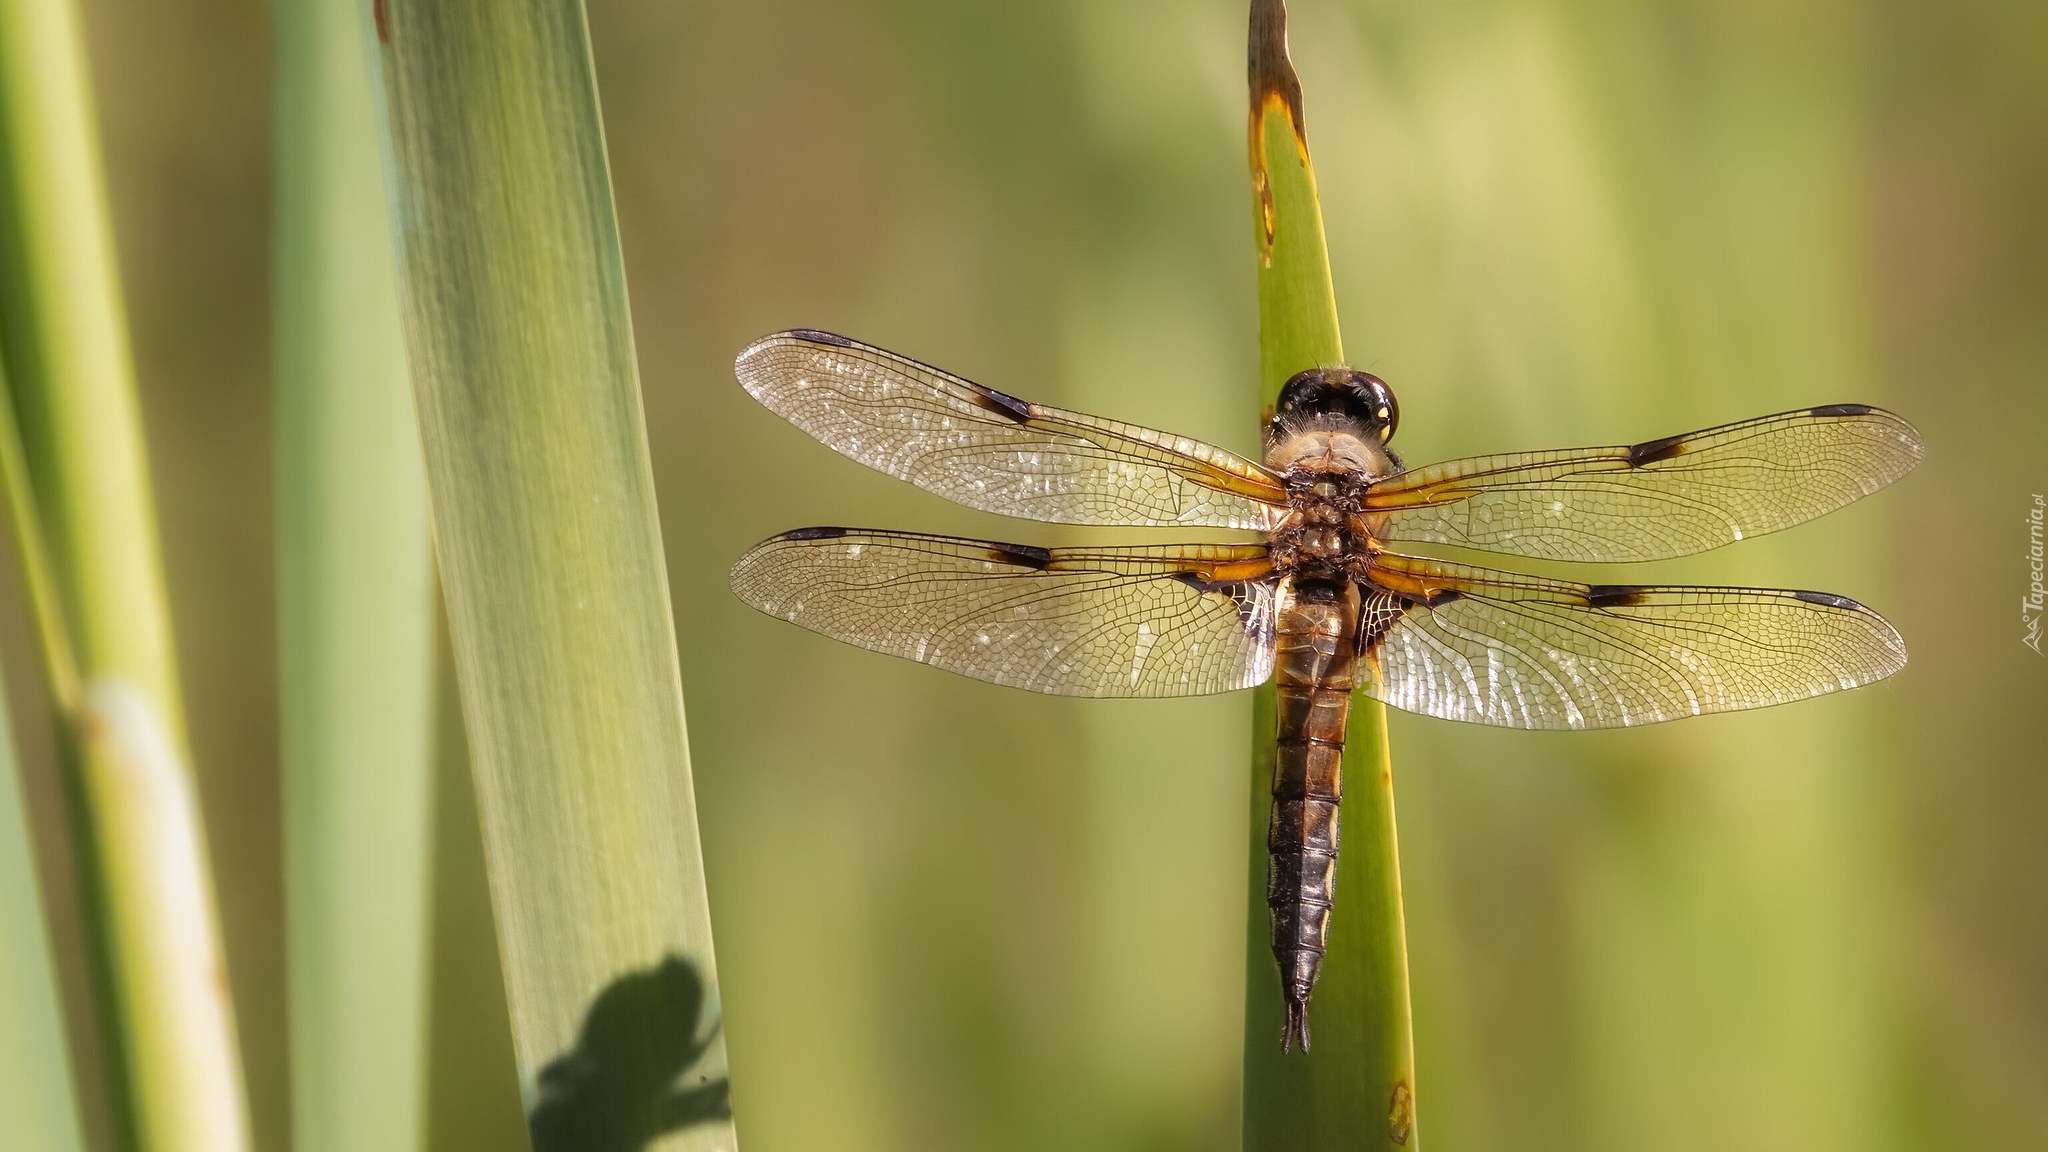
(979, 447)
(1145, 621)
(1654, 500)
(1522, 652)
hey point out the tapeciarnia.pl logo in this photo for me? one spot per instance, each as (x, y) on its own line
(2036, 598)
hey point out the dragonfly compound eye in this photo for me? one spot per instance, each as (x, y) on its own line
(1373, 402)
(1304, 392)
(1359, 396)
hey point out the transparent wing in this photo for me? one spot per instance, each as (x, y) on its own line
(1522, 652)
(1159, 621)
(1657, 499)
(979, 447)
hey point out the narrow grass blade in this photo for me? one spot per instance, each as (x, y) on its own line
(38, 1105)
(521, 354)
(152, 923)
(1356, 1088)
(355, 604)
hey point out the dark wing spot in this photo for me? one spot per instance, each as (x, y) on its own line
(817, 337)
(1441, 597)
(814, 533)
(1651, 451)
(1001, 403)
(1828, 600)
(1021, 555)
(1842, 410)
(1615, 596)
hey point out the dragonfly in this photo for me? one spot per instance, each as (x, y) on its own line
(1324, 605)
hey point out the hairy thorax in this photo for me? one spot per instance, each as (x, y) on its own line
(1327, 467)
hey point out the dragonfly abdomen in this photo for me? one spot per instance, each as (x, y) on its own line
(1314, 655)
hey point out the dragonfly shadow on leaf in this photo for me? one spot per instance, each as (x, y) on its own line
(624, 1084)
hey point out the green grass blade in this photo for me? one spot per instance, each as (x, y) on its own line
(522, 362)
(38, 1105)
(1355, 1090)
(98, 579)
(356, 609)
(69, 358)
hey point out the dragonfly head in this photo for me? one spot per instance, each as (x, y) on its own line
(1357, 397)
(1334, 419)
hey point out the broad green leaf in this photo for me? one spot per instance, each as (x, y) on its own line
(522, 362)
(1356, 1088)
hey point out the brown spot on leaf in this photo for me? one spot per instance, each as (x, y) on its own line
(1401, 1114)
(383, 21)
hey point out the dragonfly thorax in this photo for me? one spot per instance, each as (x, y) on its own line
(1324, 534)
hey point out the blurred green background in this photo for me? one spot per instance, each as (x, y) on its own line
(955, 917)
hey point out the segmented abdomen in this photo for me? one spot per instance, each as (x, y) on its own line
(1314, 662)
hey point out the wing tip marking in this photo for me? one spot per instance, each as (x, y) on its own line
(1828, 600)
(823, 533)
(1842, 410)
(817, 336)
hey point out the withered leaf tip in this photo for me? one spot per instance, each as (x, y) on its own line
(1269, 70)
